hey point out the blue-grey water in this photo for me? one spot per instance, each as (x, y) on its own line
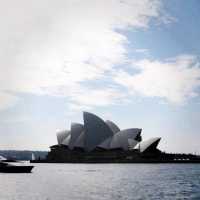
(103, 182)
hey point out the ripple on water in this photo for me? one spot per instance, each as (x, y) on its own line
(103, 182)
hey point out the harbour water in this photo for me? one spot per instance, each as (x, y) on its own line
(103, 182)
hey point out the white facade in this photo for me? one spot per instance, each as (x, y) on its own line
(125, 139)
(66, 140)
(106, 143)
(76, 130)
(80, 142)
(96, 132)
(152, 142)
(61, 135)
(112, 126)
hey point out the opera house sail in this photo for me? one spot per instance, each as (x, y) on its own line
(97, 133)
(97, 140)
(149, 145)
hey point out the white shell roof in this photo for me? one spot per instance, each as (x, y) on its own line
(112, 126)
(122, 139)
(144, 145)
(66, 140)
(80, 142)
(61, 135)
(132, 143)
(96, 131)
(106, 143)
(2, 158)
(76, 130)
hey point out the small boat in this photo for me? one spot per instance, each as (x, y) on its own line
(10, 168)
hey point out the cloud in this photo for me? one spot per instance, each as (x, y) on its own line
(97, 97)
(175, 79)
(7, 100)
(48, 47)
(145, 51)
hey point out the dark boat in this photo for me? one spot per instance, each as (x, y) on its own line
(9, 168)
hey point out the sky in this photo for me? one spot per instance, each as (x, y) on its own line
(136, 63)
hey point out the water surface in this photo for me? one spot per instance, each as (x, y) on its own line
(103, 182)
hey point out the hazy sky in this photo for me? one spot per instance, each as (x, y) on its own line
(134, 62)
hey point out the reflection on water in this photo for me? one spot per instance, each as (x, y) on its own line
(103, 182)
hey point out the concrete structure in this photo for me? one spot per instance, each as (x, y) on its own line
(149, 145)
(61, 135)
(99, 141)
(76, 130)
(125, 139)
(112, 126)
(96, 133)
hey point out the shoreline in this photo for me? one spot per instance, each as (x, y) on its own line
(122, 162)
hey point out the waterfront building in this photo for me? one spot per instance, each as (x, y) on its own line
(96, 133)
(99, 141)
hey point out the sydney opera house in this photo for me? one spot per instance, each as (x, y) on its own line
(101, 141)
